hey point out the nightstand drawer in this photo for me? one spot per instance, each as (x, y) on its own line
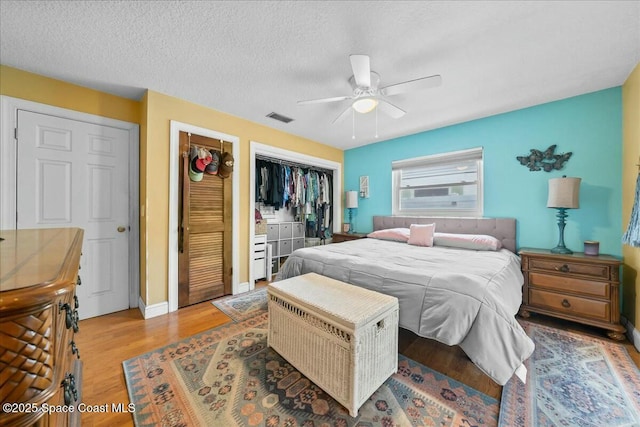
(569, 267)
(581, 307)
(568, 284)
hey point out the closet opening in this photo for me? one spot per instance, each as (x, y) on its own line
(296, 202)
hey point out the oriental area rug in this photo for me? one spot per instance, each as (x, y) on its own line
(228, 376)
(243, 306)
(573, 380)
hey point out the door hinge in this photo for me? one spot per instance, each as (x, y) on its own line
(15, 133)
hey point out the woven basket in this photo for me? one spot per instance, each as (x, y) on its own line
(347, 349)
(261, 226)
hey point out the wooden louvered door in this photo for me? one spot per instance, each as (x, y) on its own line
(204, 218)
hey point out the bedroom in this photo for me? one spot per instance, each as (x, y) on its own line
(525, 128)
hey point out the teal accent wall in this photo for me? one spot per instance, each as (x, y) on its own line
(588, 125)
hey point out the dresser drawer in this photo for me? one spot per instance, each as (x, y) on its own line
(259, 268)
(569, 284)
(594, 270)
(565, 304)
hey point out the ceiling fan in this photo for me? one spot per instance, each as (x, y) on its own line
(367, 96)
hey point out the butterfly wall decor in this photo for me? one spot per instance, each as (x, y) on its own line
(545, 160)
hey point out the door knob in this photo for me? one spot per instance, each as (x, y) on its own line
(121, 229)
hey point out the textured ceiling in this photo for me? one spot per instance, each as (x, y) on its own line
(251, 58)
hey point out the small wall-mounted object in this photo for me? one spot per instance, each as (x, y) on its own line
(591, 247)
(364, 187)
(545, 160)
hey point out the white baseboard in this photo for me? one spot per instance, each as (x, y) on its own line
(163, 307)
(153, 310)
(633, 335)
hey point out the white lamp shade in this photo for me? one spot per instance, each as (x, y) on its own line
(564, 193)
(351, 199)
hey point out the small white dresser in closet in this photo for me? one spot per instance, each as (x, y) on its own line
(260, 257)
(284, 238)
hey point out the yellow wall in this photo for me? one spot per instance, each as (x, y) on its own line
(153, 113)
(161, 110)
(630, 170)
(33, 87)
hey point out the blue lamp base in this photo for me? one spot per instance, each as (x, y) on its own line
(561, 248)
(351, 230)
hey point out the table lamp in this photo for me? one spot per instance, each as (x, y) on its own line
(564, 193)
(351, 200)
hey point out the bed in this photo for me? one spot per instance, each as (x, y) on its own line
(456, 296)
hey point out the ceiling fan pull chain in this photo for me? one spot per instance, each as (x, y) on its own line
(353, 124)
(376, 123)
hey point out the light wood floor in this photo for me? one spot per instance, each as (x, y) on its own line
(106, 341)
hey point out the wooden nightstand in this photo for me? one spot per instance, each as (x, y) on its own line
(576, 287)
(343, 237)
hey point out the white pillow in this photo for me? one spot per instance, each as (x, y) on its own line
(421, 234)
(395, 234)
(478, 242)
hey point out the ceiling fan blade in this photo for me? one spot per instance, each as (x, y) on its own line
(323, 100)
(412, 85)
(361, 70)
(342, 115)
(390, 109)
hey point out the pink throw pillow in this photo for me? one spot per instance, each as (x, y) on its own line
(421, 234)
(395, 234)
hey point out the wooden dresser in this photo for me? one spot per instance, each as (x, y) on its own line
(39, 361)
(343, 237)
(576, 287)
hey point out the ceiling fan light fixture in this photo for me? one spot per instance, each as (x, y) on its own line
(364, 105)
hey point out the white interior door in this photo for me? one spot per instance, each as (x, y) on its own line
(76, 174)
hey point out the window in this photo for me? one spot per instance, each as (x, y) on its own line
(439, 185)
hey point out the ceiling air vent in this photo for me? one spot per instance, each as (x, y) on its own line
(279, 117)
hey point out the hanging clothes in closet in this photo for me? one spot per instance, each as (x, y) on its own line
(305, 190)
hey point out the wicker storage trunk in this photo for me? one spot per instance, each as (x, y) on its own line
(342, 337)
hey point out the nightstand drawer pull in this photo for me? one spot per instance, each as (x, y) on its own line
(565, 303)
(564, 268)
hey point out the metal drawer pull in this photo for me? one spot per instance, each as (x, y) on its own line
(70, 390)
(564, 268)
(76, 317)
(74, 349)
(69, 317)
(565, 303)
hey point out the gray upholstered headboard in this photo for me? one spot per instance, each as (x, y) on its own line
(503, 229)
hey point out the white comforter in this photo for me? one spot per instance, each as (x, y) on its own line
(455, 296)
